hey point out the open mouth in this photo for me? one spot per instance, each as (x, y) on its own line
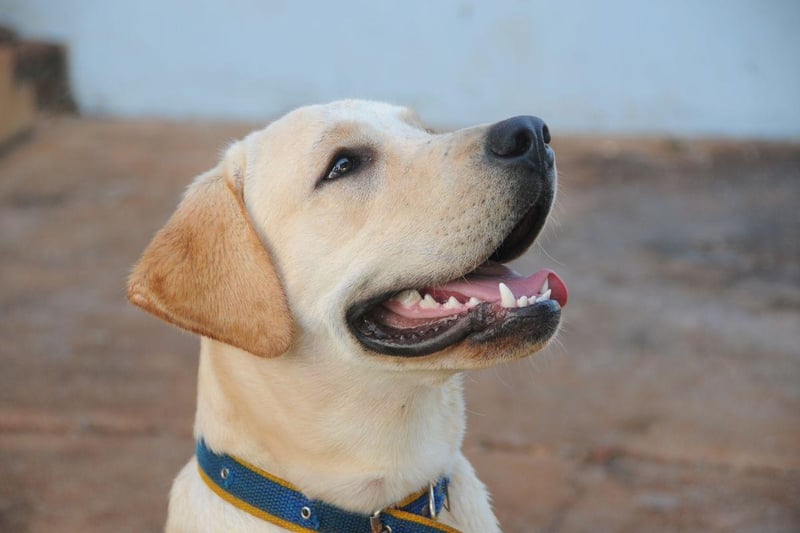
(484, 304)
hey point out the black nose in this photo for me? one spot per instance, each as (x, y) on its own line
(521, 140)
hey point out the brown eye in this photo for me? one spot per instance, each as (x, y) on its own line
(341, 166)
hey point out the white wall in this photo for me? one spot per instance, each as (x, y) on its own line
(729, 67)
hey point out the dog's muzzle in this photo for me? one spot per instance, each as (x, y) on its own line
(491, 301)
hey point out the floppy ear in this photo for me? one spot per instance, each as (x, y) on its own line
(206, 270)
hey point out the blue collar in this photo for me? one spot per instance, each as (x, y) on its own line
(279, 502)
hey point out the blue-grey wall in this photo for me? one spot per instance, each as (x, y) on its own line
(719, 67)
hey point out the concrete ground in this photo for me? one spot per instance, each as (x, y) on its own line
(671, 401)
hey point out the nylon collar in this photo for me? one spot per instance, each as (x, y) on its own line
(277, 501)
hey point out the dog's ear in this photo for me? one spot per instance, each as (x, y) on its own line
(206, 270)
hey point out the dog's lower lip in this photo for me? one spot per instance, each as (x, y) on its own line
(484, 323)
(477, 321)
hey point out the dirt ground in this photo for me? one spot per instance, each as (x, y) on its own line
(671, 401)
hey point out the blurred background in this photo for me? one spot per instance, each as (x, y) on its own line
(671, 400)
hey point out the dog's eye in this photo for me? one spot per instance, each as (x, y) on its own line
(341, 166)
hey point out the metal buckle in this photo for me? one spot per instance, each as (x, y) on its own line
(376, 525)
(432, 500)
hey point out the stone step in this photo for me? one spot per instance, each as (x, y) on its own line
(17, 98)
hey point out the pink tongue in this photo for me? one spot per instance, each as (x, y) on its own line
(483, 285)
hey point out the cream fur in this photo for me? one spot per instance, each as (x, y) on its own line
(354, 428)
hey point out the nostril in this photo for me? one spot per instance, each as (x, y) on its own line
(522, 144)
(545, 134)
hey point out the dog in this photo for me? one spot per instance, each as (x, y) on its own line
(343, 267)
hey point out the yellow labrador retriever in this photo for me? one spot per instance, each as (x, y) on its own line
(343, 266)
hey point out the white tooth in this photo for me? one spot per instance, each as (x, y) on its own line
(473, 301)
(408, 297)
(506, 296)
(545, 296)
(429, 303)
(452, 303)
(545, 287)
(522, 301)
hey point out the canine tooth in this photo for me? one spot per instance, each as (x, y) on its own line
(408, 297)
(522, 301)
(472, 302)
(452, 303)
(506, 296)
(545, 296)
(545, 287)
(429, 303)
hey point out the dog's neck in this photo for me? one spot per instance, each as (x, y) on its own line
(351, 435)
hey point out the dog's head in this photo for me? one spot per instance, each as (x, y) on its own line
(351, 228)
